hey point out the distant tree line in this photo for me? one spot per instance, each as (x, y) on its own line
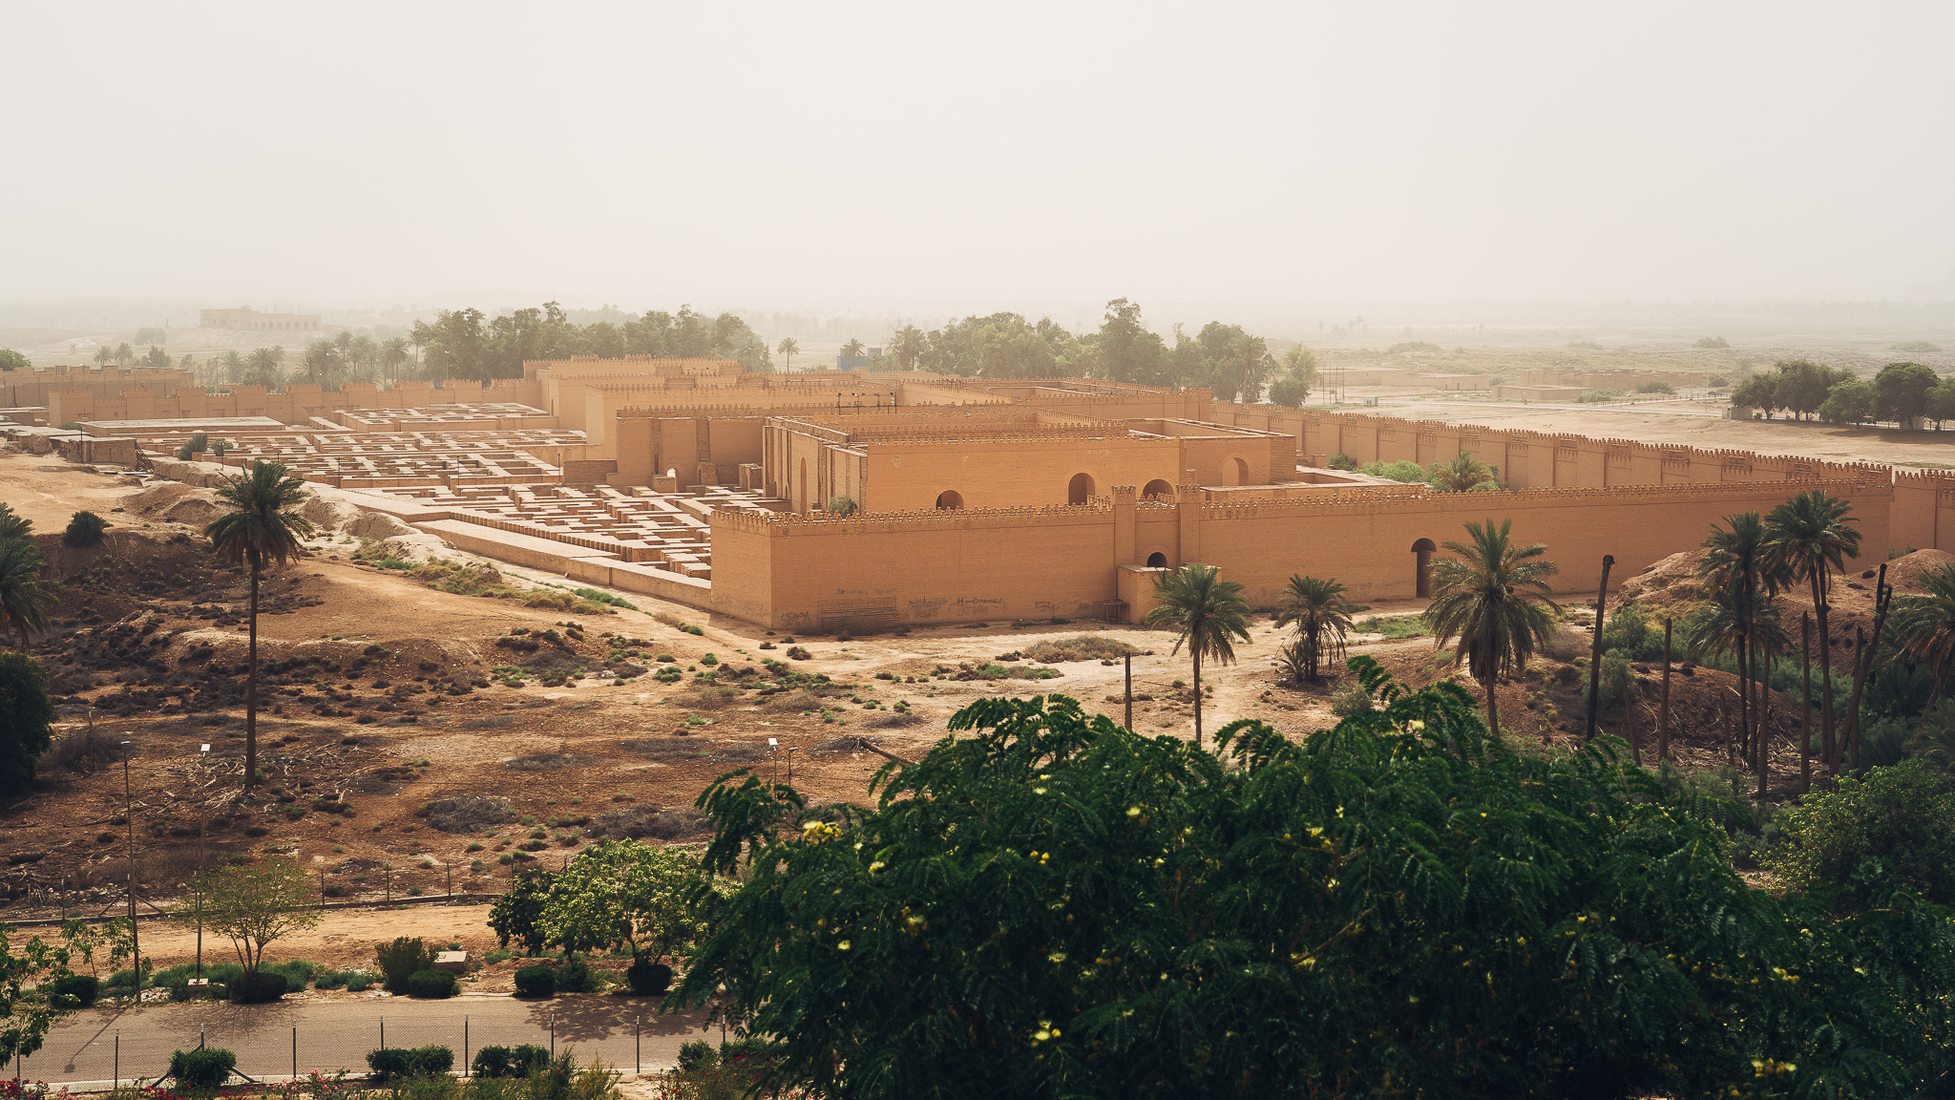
(1901, 392)
(1224, 358)
(466, 343)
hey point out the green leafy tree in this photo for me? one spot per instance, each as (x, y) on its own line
(1801, 386)
(907, 346)
(24, 598)
(1760, 391)
(157, 359)
(517, 916)
(255, 904)
(11, 360)
(1208, 616)
(1941, 403)
(26, 720)
(31, 965)
(1871, 837)
(1848, 402)
(1057, 907)
(1461, 474)
(621, 893)
(1901, 391)
(259, 528)
(1317, 608)
(1811, 536)
(1491, 600)
(1127, 350)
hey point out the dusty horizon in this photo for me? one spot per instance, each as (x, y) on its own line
(784, 156)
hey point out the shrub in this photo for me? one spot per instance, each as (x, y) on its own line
(75, 990)
(536, 981)
(1350, 698)
(647, 978)
(202, 1070)
(260, 988)
(398, 1063)
(576, 976)
(298, 973)
(401, 958)
(517, 1061)
(431, 985)
(697, 1054)
(84, 530)
(1342, 462)
(1870, 837)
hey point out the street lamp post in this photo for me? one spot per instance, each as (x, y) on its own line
(203, 860)
(129, 818)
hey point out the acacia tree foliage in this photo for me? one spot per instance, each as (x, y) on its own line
(1054, 906)
(32, 964)
(467, 343)
(621, 893)
(254, 905)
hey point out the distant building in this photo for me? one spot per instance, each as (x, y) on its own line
(860, 362)
(246, 319)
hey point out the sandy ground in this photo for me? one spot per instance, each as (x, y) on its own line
(1692, 424)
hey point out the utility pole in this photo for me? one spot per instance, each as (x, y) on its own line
(1663, 705)
(1595, 651)
(129, 818)
(1129, 660)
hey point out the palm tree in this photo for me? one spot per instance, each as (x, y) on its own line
(393, 356)
(1739, 563)
(266, 364)
(854, 350)
(1463, 474)
(124, 355)
(787, 347)
(1812, 535)
(1322, 616)
(1925, 626)
(13, 525)
(259, 527)
(23, 601)
(104, 355)
(1492, 598)
(1209, 615)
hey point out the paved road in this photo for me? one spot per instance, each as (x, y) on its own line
(336, 1032)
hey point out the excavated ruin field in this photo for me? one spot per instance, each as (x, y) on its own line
(413, 738)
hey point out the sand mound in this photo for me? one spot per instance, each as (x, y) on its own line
(377, 525)
(1671, 582)
(1906, 571)
(173, 502)
(329, 515)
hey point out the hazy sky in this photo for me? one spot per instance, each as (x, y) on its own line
(760, 153)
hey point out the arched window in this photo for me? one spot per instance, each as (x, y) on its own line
(950, 500)
(1422, 565)
(1158, 489)
(1080, 489)
(1157, 560)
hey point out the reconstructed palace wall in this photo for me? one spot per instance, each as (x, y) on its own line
(297, 404)
(808, 572)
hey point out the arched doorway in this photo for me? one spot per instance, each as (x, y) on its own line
(1080, 489)
(1241, 471)
(1157, 560)
(1421, 579)
(950, 500)
(1158, 489)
